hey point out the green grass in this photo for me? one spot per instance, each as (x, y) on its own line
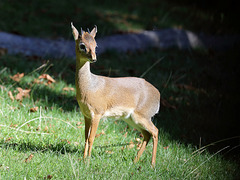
(198, 90)
(52, 18)
(54, 135)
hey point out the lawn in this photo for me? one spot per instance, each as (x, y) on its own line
(42, 133)
(42, 128)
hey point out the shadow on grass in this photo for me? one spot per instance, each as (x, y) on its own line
(199, 90)
(59, 148)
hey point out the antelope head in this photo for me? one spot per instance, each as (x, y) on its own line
(85, 44)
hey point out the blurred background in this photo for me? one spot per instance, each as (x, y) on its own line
(44, 18)
(200, 94)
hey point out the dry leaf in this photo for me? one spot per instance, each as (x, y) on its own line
(10, 95)
(101, 133)
(13, 125)
(68, 89)
(12, 108)
(8, 139)
(34, 109)
(125, 135)
(65, 140)
(131, 145)
(48, 177)
(47, 77)
(78, 123)
(17, 77)
(22, 93)
(29, 158)
(46, 129)
(109, 152)
(166, 147)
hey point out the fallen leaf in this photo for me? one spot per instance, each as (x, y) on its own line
(10, 95)
(166, 147)
(65, 140)
(29, 158)
(46, 129)
(13, 125)
(33, 109)
(125, 135)
(8, 139)
(17, 77)
(109, 152)
(48, 177)
(131, 145)
(12, 108)
(37, 81)
(78, 123)
(22, 93)
(47, 77)
(68, 89)
(101, 133)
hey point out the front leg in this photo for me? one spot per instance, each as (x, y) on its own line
(93, 129)
(91, 126)
(87, 129)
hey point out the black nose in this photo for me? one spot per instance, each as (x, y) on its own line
(94, 60)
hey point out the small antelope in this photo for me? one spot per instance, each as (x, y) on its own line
(134, 100)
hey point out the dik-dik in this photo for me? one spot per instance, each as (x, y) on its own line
(131, 99)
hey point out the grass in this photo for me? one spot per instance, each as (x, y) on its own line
(49, 143)
(198, 122)
(52, 18)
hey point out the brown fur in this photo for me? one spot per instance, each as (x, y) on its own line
(132, 99)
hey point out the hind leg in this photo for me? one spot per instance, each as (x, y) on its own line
(148, 129)
(146, 138)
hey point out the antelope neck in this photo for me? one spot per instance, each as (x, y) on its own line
(83, 73)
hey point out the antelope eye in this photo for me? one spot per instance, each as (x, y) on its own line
(82, 47)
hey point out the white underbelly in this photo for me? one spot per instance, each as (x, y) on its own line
(124, 114)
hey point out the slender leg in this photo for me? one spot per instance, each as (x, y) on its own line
(87, 128)
(146, 139)
(148, 130)
(93, 130)
(155, 142)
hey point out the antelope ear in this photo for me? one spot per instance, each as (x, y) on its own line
(94, 31)
(74, 32)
